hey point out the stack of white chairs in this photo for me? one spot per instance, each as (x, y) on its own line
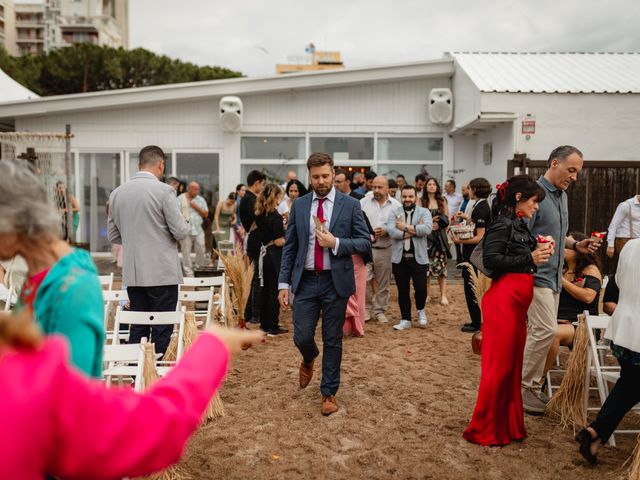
(597, 367)
(124, 362)
(152, 319)
(106, 281)
(214, 285)
(112, 299)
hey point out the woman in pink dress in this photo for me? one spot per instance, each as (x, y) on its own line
(354, 318)
(55, 421)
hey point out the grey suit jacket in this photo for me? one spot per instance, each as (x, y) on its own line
(145, 219)
(424, 225)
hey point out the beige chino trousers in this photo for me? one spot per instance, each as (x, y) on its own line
(541, 330)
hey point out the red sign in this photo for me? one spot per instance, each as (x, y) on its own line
(528, 127)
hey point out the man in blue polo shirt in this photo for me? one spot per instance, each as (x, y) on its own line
(552, 218)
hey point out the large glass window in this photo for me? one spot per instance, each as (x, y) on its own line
(344, 148)
(276, 173)
(410, 149)
(280, 148)
(410, 170)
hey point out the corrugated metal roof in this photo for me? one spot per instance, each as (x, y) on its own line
(552, 72)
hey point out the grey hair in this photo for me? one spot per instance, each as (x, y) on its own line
(24, 207)
(562, 152)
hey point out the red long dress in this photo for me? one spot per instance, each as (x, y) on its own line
(497, 418)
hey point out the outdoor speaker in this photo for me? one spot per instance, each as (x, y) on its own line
(231, 114)
(440, 106)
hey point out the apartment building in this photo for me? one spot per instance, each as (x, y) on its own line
(27, 28)
(7, 27)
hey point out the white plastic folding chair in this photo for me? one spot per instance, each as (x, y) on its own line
(596, 366)
(112, 299)
(191, 296)
(152, 319)
(124, 361)
(217, 281)
(106, 281)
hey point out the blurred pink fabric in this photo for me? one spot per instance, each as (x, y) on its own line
(354, 319)
(59, 422)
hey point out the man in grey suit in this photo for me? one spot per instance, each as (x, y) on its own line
(325, 228)
(144, 217)
(408, 227)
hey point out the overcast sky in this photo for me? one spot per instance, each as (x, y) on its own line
(253, 35)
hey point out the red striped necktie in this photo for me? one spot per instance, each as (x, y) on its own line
(318, 257)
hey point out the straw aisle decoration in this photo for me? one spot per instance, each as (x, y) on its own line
(633, 471)
(150, 377)
(568, 402)
(240, 276)
(216, 407)
(480, 283)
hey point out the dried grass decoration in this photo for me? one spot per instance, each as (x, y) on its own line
(240, 275)
(568, 402)
(216, 407)
(480, 283)
(150, 377)
(633, 471)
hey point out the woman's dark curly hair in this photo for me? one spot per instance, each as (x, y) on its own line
(505, 200)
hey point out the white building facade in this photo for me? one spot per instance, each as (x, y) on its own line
(370, 118)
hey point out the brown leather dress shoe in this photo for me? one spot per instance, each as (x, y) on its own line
(329, 405)
(306, 372)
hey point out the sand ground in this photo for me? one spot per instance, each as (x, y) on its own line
(405, 399)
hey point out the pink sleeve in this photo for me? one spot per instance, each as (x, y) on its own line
(111, 433)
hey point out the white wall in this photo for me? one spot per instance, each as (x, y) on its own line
(469, 154)
(188, 125)
(603, 126)
(466, 98)
(393, 107)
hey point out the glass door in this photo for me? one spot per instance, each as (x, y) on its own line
(100, 174)
(204, 168)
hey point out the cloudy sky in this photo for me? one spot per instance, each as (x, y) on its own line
(253, 35)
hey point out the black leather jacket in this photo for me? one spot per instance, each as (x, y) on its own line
(508, 246)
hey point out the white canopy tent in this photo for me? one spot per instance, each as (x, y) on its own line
(12, 91)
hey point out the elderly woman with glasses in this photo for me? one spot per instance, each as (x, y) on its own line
(62, 290)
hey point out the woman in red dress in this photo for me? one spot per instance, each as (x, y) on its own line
(509, 252)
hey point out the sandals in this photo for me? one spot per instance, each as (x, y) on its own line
(585, 440)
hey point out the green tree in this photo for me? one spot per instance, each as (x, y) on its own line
(89, 68)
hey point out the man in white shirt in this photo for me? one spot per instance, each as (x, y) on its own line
(454, 199)
(194, 209)
(625, 225)
(377, 208)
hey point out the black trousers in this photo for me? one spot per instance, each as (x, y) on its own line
(405, 271)
(269, 305)
(624, 396)
(153, 299)
(252, 310)
(472, 306)
(317, 293)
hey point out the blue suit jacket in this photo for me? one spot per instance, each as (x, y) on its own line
(347, 224)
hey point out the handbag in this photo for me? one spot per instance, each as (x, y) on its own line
(476, 258)
(476, 342)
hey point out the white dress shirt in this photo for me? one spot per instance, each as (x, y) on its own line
(454, 200)
(378, 216)
(327, 209)
(620, 223)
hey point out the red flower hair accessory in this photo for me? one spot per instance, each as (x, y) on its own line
(502, 189)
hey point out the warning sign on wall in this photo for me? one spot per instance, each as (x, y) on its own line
(528, 127)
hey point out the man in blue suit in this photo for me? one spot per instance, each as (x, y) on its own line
(325, 228)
